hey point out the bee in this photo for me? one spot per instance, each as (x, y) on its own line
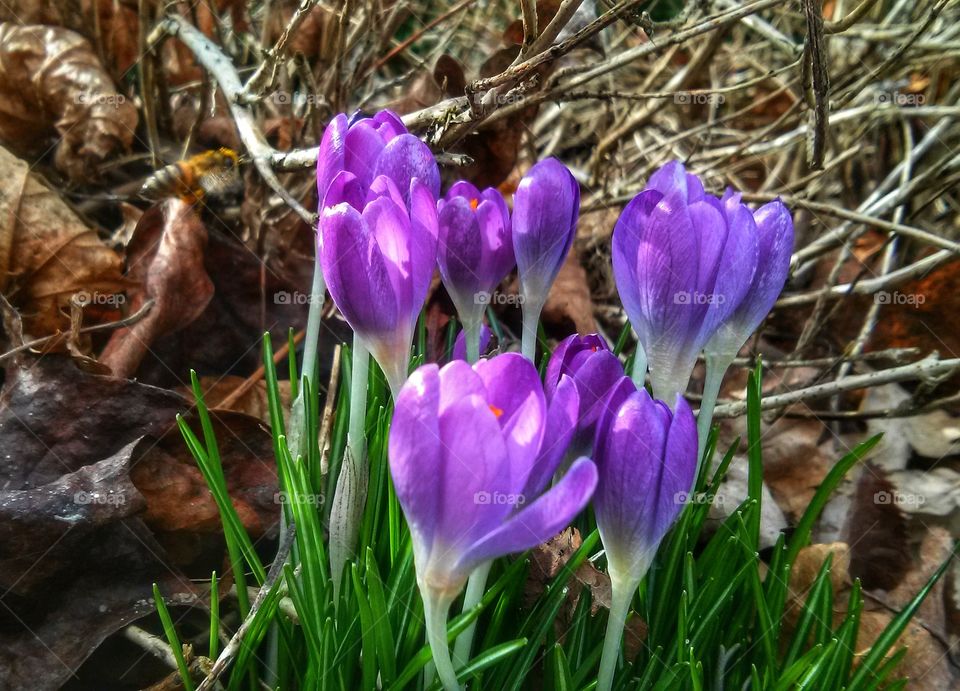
(211, 173)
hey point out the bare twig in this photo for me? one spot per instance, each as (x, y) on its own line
(222, 70)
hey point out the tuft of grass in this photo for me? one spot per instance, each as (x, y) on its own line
(713, 609)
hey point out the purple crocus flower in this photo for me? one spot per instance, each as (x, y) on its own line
(646, 457)
(775, 245)
(683, 261)
(475, 248)
(377, 252)
(545, 209)
(595, 371)
(370, 147)
(471, 449)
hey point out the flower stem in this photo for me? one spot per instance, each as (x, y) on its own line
(471, 334)
(619, 607)
(435, 609)
(476, 584)
(350, 494)
(359, 378)
(531, 317)
(716, 367)
(639, 373)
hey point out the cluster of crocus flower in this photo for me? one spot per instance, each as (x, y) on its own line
(487, 459)
(696, 273)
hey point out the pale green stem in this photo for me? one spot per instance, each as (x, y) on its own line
(619, 608)
(639, 374)
(716, 368)
(360, 364)
(350, 494)
(471, 334)
(476, 584)
(531, 317)
(435, 609)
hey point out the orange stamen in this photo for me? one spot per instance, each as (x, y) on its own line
(497, 412)
(474, 203)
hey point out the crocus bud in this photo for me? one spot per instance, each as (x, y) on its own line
(377, 253)
(682, 261)
(646, 457)
(475, 248)
(370, 147)
(595, 371)
(466, 452)
(545, 209)
(775, 245)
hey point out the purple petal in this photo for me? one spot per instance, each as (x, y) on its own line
(355, 271)
(646, 463)
(557, 365)
(515, 392)
(404, 158)
(476, 464)
(463, 189)
(539, 521)
(561, 425)
(775, 231)
(330, 157)
(388, 124)
(415, 451)
(736, 268)
(775, 244)
(460, 253)
(626, 247)
(545, 208)
(391, 231)
(362, 147)
(345, 189)
(423, 244)
(459, 380)
(600, 372)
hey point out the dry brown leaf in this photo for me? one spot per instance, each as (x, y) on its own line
(794, 465)
(165, 257)
(47, 255)
(52, 86)
(877, 532)
(569, 306)
(926, 664)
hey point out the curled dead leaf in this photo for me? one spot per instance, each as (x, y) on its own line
(165, 257)
(52, 85)
(47, 254)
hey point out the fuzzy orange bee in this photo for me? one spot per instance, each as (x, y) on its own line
(210, 173)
